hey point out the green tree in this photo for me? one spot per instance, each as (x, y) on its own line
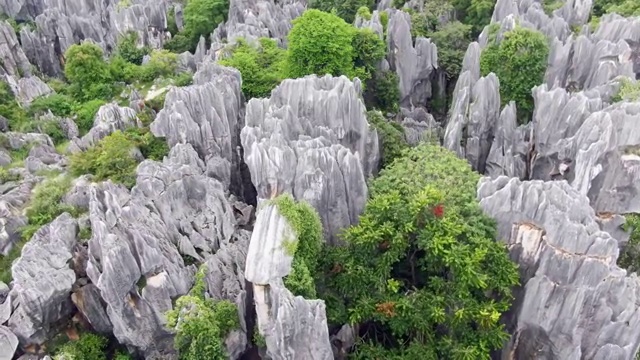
(346, 9)
(452, 41)
(320, 43)
(519, 61)
(262, 67)
(630, 255)
(422, 246)
(202, 16)
(476, 13)
(87, 72)
(202, 324)
(128, 49)
(390, 135)
(368, 50)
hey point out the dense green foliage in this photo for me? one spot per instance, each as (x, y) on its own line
(201, 324)
(629, 90)
(262, 67)
(305, 249)
(201, 17)
(620, 7)
(87, 72)
(346, 9)
(320, 43)
(390, 136)
(422, 246)
(111, 158)
(630, 255)
(129, 51)
(452, 41)
(519, 61)
(88, 347)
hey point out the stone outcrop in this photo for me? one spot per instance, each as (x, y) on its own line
(30, 88)
(414, 65)
(109, 119)
(174, 211)
(253, 19)
(312, 139)
(580, 304)
(208, 115)
(293, 327)
(62, 23)
(13, 61)
(42, 281)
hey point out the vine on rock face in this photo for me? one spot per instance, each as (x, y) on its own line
(305, 222)
(422, 246)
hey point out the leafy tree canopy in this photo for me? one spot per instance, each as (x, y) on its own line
(346, 9)
(87, 72)
(519, 61)
(422, 246)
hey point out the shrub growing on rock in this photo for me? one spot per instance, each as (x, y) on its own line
(391, 136)
(320, 43)
(201, 323)
(86, 113)
(422, 246)
(306, 248)
(262, 67)
(88, 72)
(88, 347)
(519, 61)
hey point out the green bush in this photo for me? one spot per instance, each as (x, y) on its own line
(54, 130)
(201, 17)
(422, 246)
(629, 91)
(46, 205)
(346, 9)
(88, 347)
(262, 67)
(183, 79)
(202, 324)
(179, 43)
(383, 92)
(476, 13)
(519, 61)
(320, 43)
(9, 108)
(452, 41)
(87, 72)
(368, 50)
(305, 249)
(128, 49)
(151, 147)
(111, 158)
(630, 255)
(6, 176)
(390, 137)
(59, 104)
(162, 63)
(86, 114)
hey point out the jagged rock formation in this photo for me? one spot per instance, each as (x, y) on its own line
(13, 61)
(572, 289)
(414, 65)
(209, 116)
(42, 281)
(62, 23)
(253, 19)
(30, 88)
(8, 343)
(293, 327)
(312, 139)
(175, 210)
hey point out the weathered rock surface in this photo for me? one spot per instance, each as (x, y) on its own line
(109, 119)
(13, 61)
(253, 19)
(293, 327)
(413, 64)
(175, 210)
(62, 23)
(208, 115)
(312, 139)
(30, 88)
(8, 343)
(42, 281)
(573, 291)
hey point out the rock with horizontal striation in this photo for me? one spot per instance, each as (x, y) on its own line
(413, 64)
(292, 326)
(582, 304)
(312, 139)
(42, 281)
